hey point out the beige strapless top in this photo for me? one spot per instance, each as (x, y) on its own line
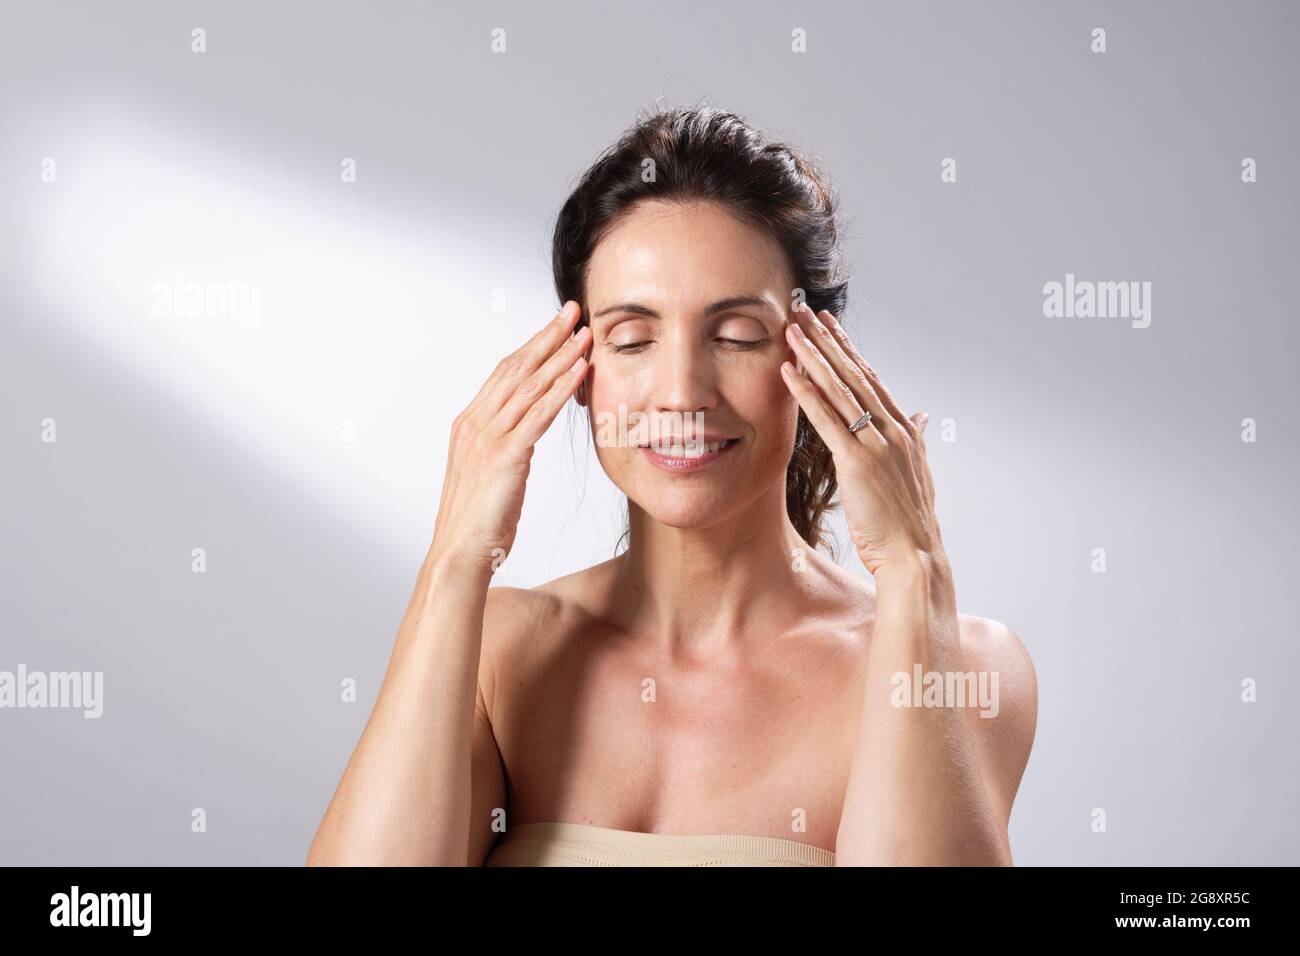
(578, 844)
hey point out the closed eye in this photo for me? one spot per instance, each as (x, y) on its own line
(744, 343)
(740, 344)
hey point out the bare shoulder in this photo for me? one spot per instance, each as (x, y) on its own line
(512, 611)
(991, 647)
(991, 644)
(518, 622)
(575, 591)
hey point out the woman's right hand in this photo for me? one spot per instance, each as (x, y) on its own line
(492, 444)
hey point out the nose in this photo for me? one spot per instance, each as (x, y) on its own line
(684, 377)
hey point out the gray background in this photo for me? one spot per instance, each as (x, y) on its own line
(222, 689)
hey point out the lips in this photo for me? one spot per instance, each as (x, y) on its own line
(689, 448)
(681, 458)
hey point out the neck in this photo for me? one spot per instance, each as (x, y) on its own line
(701, 590)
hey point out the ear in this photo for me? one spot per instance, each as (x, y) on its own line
(580, 396)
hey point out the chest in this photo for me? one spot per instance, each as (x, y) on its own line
(616, 735)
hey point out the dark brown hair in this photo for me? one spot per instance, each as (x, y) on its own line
(704, 153)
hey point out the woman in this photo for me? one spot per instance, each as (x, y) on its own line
(720, 692)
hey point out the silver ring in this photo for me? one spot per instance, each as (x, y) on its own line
(860, 423)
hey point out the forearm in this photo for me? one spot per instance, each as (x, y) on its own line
(916, 794)
(404, 798)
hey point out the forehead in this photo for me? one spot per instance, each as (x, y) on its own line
(684, 255)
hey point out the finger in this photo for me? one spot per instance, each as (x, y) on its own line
(842, 337)
(532, 388)
(852, 371)
(830, 426)
(525, 360)
(539, 416)
(837, 394)
(849, 395)
(920, 420)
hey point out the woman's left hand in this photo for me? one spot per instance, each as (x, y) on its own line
(884, 479)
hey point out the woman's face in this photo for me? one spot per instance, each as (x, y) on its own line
(688, 306)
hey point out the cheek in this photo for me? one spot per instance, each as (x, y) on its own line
(611, 399)
(608, 389)
(765, 403)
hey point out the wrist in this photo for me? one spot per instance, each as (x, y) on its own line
(921, 580)
(450, 570)
(916, 565)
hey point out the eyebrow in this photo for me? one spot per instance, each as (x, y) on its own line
(721, 305)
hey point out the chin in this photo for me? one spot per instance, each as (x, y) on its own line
(697, 501)
(688, 503)
(684, 511)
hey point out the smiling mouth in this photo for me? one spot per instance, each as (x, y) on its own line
(689, 449)
(688, 459)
